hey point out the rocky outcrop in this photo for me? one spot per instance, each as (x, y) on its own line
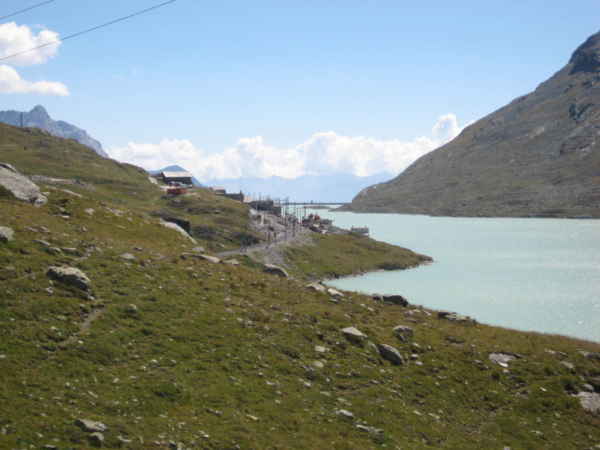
(536, 156)
(21, 187)
(70, 276)
(91, 426)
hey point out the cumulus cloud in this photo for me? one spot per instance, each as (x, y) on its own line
(324, 153)
(15, 39)
(12, 83)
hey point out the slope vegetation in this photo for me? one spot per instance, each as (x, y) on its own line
(537, 156)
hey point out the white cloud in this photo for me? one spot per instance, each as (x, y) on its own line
(12, 83)
(324, 153)
(15, 39)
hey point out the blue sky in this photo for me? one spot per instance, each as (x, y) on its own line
(251, 88)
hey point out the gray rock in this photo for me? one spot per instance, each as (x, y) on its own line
(395, 299)
(50, 447)
(315, 287)
(96, 437)
(275, 270)
(21, 187)
(70, 276)
(587, 387)
(345, 413)
(90, 426)
(210, 259)
(589, 355)
(320, 349)
(123, 440)
(568, 365)
(42, 243)
(198, 249)
(333, 292)
(177, 228)
(128, 256)
(391, 354)
(595, 382)
(501, 359)
(9, 167)
(233, 262)
(69, 249)
(131, 309)
(403, 329)
(589, 401)
(451, 316)
(353, 332)
(6, 234)
(45, 230)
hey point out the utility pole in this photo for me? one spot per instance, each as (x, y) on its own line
(2, 131)
(21, 120)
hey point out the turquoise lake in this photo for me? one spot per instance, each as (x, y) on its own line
(527, 274)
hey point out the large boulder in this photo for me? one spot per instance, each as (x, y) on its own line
(395, 299)
(275, 270)
(6, 234)
(70, 276)
(21, 187)
(391, 354)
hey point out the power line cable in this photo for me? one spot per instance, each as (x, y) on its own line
(23, 10)
(87, 31)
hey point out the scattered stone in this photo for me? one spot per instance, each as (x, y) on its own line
(233, 262)
(401, 329)
(320, 349)
(6, 234)
(587, 387)
(391, 354)
(452, 316)
(589, 355)
(131, 309)
(568, 365)
(128, 256)
(69, 249)
(55, 249)
(50, 447)
(90, 211)
(177, 228)
(589, 401)
(45, 230)
(345, 413)
(96, 437)
(70, 276)
(353, 332)
(42, 243)
(502, 359)
(315, 287)
(552, 352)
(91, 426)
(137, 249)
(318, 364)
(198, 249)
(333, 292)
(275, 270)
(123, 440)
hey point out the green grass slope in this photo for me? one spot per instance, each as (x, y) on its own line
(219, 356)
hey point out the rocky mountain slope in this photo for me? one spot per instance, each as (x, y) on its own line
(537, 156)
(38, 117)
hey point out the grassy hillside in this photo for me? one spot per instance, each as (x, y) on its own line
(215, 356)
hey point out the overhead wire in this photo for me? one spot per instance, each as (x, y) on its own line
(87, 31)
(23, 10)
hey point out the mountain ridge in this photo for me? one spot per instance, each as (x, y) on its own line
(535, 157)
(38, 117)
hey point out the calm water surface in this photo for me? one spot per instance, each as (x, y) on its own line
(528, 274)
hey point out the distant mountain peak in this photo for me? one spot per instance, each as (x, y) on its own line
(38, 117)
